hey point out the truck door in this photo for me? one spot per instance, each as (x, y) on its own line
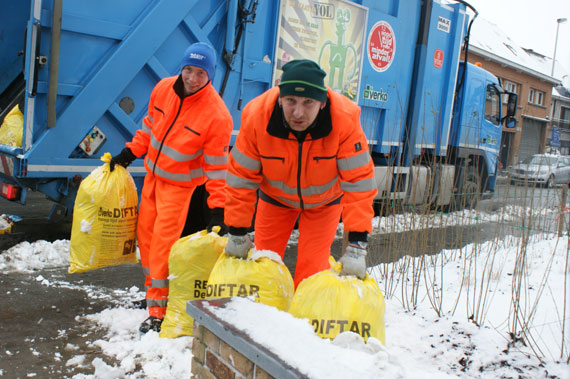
(492, 118)
(491, 126)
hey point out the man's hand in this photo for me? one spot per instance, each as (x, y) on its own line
(217, 218)
(125, 158)
(354, 260)
(238, 246)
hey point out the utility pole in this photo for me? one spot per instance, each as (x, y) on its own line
(558, 22)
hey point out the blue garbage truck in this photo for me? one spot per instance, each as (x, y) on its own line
(82, 73)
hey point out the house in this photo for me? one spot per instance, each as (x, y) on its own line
(526, 73)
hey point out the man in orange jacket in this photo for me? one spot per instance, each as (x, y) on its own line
(185, 137)
(301, 145)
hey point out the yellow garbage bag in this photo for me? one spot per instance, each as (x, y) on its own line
(12, 128)
(334, 304)
(190, 262)
(103, 231)
(262, 275)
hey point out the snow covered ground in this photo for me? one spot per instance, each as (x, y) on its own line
(456, 320)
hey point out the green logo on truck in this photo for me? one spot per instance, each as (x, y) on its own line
(369, 93)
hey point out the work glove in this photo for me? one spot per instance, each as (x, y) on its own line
(125, 158)
(354, 260)
(217, 218)
(238, 246)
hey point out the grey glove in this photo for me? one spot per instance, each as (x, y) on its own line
(354, 260)
(238, 246)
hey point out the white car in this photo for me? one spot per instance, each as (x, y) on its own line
(544, 169)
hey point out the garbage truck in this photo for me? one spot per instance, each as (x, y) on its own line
(83, 71)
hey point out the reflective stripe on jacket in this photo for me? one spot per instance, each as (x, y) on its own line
(186, 139)
(332, 161)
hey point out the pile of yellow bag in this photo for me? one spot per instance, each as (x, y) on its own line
(330, 302)
(200, 270)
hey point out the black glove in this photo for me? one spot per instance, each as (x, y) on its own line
(125, 158)
(217, 218)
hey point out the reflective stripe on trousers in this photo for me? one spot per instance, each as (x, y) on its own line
(317, 229)
(162, 216)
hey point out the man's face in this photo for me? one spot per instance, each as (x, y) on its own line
(194, 78)
(300, 112)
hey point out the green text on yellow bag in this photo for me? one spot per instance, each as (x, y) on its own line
(262, 275)
(104, 220)
(190, 263)
(334, 304)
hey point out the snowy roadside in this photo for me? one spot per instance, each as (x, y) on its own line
(419, 342)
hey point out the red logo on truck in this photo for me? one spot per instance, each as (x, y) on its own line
(438, 58)
(381, 46)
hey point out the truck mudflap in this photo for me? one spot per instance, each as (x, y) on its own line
(6, 165)
(9, 161)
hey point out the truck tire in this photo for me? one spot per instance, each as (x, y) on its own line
(470, 190)
(550, 182)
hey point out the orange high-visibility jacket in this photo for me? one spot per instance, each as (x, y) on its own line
(186, 142)
(332, 162)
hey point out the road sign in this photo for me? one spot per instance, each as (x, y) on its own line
(555, 141)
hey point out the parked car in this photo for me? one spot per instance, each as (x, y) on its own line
(544, 169)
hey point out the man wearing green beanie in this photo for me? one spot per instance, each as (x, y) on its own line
(301, 147)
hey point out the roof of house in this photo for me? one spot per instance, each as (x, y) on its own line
(488, 40)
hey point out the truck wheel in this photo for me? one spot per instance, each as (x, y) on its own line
(470, 189)
(550, 182)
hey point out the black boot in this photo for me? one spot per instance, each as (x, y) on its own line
(151, 323)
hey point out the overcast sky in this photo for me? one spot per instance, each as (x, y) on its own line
(531, 23)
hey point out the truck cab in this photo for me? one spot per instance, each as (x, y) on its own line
(476, 129)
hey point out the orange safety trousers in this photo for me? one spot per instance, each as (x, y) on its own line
(317, 230)
(162, 216)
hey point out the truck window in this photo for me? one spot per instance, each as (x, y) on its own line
(492, 105)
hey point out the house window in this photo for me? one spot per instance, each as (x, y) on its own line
(535, 97)
(539, 98)
(564, 117)
(564, 114)
(509, 87)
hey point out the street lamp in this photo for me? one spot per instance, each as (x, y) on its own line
(558, 22)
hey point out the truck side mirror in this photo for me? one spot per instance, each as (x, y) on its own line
(512, 104)
(511, 122)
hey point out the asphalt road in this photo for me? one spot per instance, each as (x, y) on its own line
(39, 322)
(35, 224)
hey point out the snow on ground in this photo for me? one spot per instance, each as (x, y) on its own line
(419, 343)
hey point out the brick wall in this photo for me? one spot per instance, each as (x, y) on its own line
(213, 358)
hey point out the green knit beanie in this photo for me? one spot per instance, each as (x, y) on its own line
(304, 78)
